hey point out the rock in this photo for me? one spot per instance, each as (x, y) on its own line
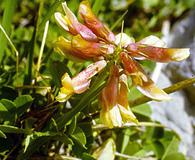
(165, 113)
(179, 113)
(183, 36)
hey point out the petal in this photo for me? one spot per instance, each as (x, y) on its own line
(122, 97)
(63, 46)
(153, 92)
(127, 115)
(157, 53)
(94, 23)
(75, 26)
(123, 104)
(106, 151)
(141, 80)
(108, 97)
(111, 118)
(66, 81)
(153, 41)
(63, 95)
(61, 21)
(87, 50)
(81, 82)
(66, 90)
(123, 39)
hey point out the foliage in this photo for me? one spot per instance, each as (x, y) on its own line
(33, 124)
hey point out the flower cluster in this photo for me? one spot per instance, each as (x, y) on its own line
(92, 40)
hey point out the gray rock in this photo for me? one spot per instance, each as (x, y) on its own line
(173, 115)
(179, 113)
(183, 36)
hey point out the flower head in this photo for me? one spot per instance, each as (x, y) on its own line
(114, 101)
(80, 82)
(92, 40)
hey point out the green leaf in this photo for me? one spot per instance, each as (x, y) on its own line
(79, 136)
(122, 140)
(7, 110)
(23, 103)
(9, 105)
(35, 140)
(132, 148)
(176, 156)
(2, 134)
(72, 125)
(12, 129)
(143, 109)
(87, 156)
(27, 142)
(10, 6)
(172, 147)
(3, 108)
(63, 138)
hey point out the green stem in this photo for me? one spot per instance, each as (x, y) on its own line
(133, 157)
(118, 21)
(171, 89)
(42, 47)
(127, 125)
(32, 46)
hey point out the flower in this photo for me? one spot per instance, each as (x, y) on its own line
(114, 101)
(80, 82)
(92, 40)
(88, 41)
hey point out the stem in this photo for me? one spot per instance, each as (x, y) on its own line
(171, 89)
(118, 21)
(42, 47)
(133, 157)
(127, 125)
(32, 87)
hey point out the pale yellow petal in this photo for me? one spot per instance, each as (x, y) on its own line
(123, 39)
(61, 21)
(153, 41)
(127, 115)
(179, 54)
(111, 118)
(154, 92)
(106, 151)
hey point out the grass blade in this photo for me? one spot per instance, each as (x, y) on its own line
(10, 6)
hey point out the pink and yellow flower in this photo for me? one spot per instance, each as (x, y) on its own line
(92, 40)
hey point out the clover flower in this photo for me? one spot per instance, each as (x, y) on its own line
(92, 40)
